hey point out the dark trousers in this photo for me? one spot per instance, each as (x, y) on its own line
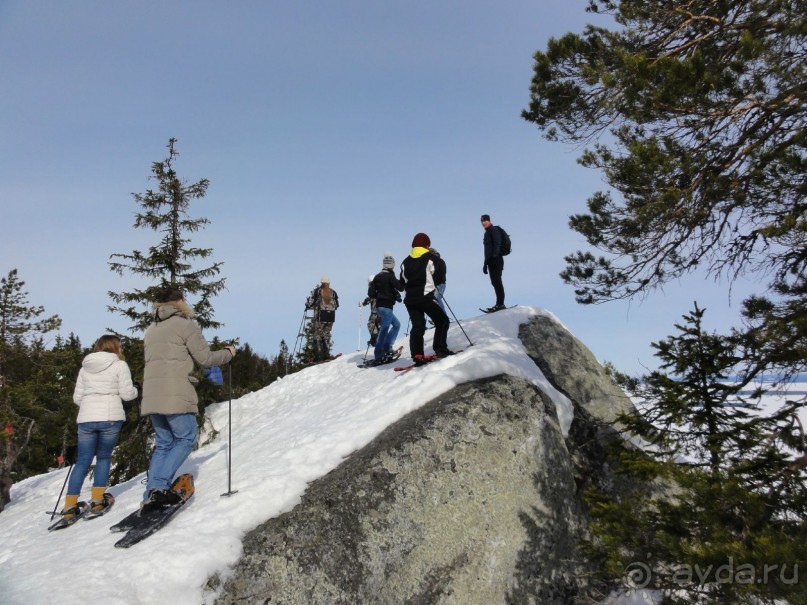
(495, 268)
(418, 309)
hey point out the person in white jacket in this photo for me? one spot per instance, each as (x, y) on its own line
(103, 383)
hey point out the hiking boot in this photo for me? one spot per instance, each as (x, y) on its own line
(69, 513)
(99, 506)
(163, 497)
(423, 359)
(445, 353)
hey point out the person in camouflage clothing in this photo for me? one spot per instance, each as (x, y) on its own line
(374, 321)
(324, 301)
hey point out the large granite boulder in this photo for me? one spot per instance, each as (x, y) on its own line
(474, 498)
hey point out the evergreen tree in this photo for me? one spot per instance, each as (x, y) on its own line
(307, 352)
(65, 362)
(171, 260)
(736, 481)
(131, 455)
(48, 398)
(283, 363)
(704, 105)
(694, 111)
(21, 345)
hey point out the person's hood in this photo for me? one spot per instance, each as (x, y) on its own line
(417, 252)
(98, 361)
(163, 311)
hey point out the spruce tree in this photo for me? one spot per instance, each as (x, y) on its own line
(48, 398)
(308, 351)
(171, 261)
(283, 362)
(735, 494)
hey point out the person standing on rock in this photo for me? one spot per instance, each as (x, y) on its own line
(419, 276)
(385, 288)
(494, 261)
(324, 301)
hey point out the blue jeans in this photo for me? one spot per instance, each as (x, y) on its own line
(95, 440)
(387, 332)
(438, 296)
(174, 436)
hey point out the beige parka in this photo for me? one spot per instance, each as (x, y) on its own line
(172, 343)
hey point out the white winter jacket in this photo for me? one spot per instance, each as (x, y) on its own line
(103, 381)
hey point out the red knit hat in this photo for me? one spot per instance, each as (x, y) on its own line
(421, 240)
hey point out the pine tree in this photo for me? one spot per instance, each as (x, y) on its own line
(171, 260)
(21, 330)
(695, 112)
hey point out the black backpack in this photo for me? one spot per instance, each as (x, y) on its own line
(506, 246)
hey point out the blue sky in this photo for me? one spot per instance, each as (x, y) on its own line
(331, 132)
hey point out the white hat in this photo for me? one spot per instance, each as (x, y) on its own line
(325, 279)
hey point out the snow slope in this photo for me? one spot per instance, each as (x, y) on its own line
(283, 437)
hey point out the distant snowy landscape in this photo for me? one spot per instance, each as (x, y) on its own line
(283, 437)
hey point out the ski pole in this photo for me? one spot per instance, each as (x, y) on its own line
(457, 320)
(358, 340)
(230, 491)
(59, 499)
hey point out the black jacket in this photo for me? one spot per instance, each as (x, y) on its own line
(439, 268)
(492, 241)
(384, 288)
(420, 275)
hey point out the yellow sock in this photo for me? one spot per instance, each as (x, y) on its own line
(98, 494)
(70, 500)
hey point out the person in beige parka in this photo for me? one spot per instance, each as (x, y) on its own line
(173, 343)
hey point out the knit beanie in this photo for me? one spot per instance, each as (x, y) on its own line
(325, 279)
(421, 240)
(389, 261)
(485, 217)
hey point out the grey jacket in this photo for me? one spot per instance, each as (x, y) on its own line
(172, 343)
